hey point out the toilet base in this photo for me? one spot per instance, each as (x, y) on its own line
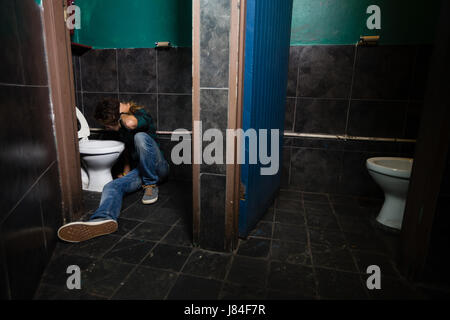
(98, 179)
(391, 215)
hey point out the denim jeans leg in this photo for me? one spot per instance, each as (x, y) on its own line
(113, 193)
(152, 165)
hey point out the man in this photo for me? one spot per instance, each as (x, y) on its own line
(136, 129)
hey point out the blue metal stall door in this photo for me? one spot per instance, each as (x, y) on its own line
(268, 32)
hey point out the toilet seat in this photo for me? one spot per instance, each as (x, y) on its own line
(394, 167)
(95, 147)
(84, 132)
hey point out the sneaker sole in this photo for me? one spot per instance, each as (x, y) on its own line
(150, 201)
(82, 231)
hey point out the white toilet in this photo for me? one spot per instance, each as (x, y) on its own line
(392, 175)
(97, 157)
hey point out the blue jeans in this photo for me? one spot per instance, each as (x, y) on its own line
(152, 168)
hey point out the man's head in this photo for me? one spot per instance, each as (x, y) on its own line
(107, 113)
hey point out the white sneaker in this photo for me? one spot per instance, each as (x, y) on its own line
(81, 231)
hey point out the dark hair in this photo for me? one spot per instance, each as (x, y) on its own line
(107, 112)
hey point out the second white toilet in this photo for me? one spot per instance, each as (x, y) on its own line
(392, 175)
(97, 157)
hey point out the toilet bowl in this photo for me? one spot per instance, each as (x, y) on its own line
(392, 175)
(97, 157)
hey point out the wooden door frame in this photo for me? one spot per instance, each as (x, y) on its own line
(235, 110)
(62, 95)
(235, 101)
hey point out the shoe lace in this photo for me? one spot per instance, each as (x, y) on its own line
(148, 190)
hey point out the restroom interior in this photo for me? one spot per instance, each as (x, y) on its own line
(344, 105)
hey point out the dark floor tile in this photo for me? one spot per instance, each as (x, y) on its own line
(246, 270)
(289, 205)
(149, 231)
(395, 289)
(52, 293)
(165, 216)
(167, 257)
(254, 247)
(289, 195)
(322, 221)
(340, 285)
(56, 272)
(125, 226)
(286, 232)
(146, 284)
(292, 278)
(351, 211)
(139, 211)
(315, 197)
(434, 293)
(327, 237)
(290, 217)
(130, 251)
(318, 208)
(207, 264)
(131, 199)
(104, 277)
(366, 242)
(282, 295)
(193, 288)
(346, 200)
(356, 225)
(179, 235)
(94, 248)
(233, 291)
(269, 215)
(366, 259)
(290, 252)
(262, 230)
(338, 258)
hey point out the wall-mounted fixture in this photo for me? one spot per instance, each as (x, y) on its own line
(368, 40)
(161, 44)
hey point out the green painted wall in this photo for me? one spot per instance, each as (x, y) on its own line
(344, 21)
(140, 23)
(134, 23)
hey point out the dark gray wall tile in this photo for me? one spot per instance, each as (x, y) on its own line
(285, 169)
(24, 244)
(325, 71)
(377, 119)
(212, 216)
(90, 101)
(413, 117)
(214, 109)
(421, 69)
(181, 172)
(28, 134)
(321, 116)
(50, 200)
(293, 71)
(175, 70)
(214, 43)
(383, 72)
(99, 71)
(290, 114)
(137, 70)
(315, 170)
(355, 178)
(174, 112)
(76, 72)
(31, 36)
(11, 66)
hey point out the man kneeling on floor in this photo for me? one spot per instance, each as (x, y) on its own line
(136, 129)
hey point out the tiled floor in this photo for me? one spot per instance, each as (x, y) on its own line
(307, 246)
